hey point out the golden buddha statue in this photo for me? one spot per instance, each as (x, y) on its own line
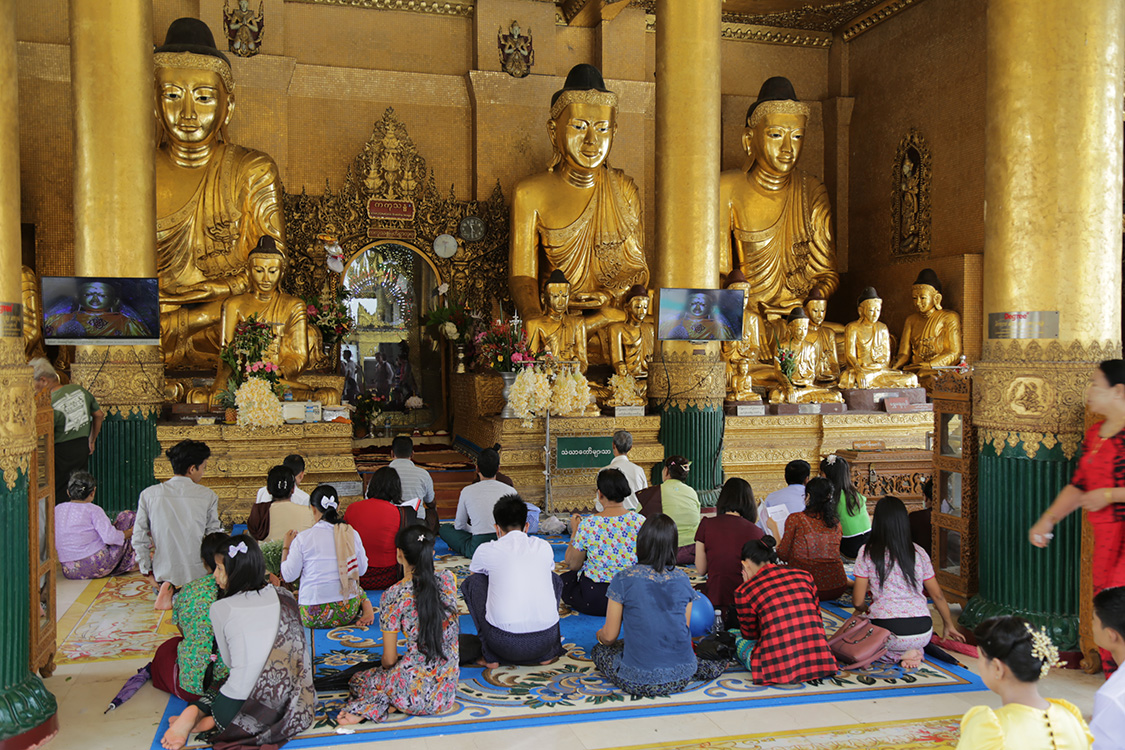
(32, 309)
(776, 220)
(754, 346)
(740, 384)
(631, 340)
(867, 346)
(931, 337)
(828, 335)
(806, 382)
(556, 330)
(581, 217)
(214, 199)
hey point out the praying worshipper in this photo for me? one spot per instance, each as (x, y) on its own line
(473, 525)
(422, 607)
(329, 559)
(782, 640)
(635, 475)
(78, 422)
(600, 545)
(88, 545)
(652, 600)
(791, 496)
(259, 635)
(812, 540)
(269, 522)
(681, 503)
(183, 665)
(296, 464)
(1108, 726)
(718, 545)
(1014, 656)
(900, 576)
(855, 523)
(172, 519)
(377, 520)
(512, 592)
(416, 481)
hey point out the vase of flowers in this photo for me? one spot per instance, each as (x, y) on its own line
(454, 322)
(329, 312)
(367, 406)
(502, 347)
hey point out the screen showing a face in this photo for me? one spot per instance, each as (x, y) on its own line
(700, 314)
(100, 309)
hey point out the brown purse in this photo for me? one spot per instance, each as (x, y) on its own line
(858, 642)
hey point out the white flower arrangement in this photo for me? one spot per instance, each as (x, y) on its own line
(414, 402)
(570, 394)
(257, 404)
(626, 391)
(530, 395)
(449, 330)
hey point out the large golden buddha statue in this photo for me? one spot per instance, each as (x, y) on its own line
(214, 199)
(556, 330)
(867, 346)
(799, 352)
(931, 337)
(581, 217)
(776, 219)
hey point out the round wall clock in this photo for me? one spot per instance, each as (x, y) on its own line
(445, 245)
(472, 229)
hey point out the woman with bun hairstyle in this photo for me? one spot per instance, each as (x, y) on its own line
(1013, 658)
(812, 540)
(422, 608)
(88, 544)
(329, 559)
(851, 507)
(680, 503)
(782, 634)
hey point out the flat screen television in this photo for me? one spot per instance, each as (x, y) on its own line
(699, 314)
(100, 310)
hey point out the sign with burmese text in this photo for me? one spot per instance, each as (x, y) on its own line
(585, 452)
(388, 209)
(1032, 324)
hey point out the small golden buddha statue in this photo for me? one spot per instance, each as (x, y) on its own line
(631, 340)
(867, 346)
(754, 346)
(214, 199)
(776, 219)
(581, 216)
(931, 337)
(805, 383)
(555, 330)
(829, 335)
(32, 310)
(740, 384)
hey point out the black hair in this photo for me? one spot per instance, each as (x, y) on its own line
(928, 491)
(840, 474)
(417, 545)
(797, 472)
(510, 513)
(656, 543)
(347, 354)
(488, 463)
(737, 496)
(325, 500)
(186, 454)
(210, 547)
(80, 485)
(677, 467)
(1109, 605)
(295, 462)
(821, 501)
(246, 570)
(386, 484)
(1114, 371)
(402, 447)
(890, 540)
(760, 551)
(613, 485)
(280, 482)
(1008, 638)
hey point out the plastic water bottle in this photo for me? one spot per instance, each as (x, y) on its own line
(717, 627)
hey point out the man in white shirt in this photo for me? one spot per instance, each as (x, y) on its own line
(474, 525)
(512, 592)
(416, 482)
(173, 517)
(634, 475)
(792, 497)
(296, 464)
(1108, 724)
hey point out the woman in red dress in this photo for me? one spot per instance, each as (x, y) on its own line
(1098, 485)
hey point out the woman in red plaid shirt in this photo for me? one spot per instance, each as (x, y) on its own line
(778, 608)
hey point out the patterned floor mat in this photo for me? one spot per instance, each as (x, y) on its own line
(113, 619)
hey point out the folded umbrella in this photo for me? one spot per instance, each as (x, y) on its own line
(131, 686)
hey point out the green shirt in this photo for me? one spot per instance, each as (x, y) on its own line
(74, 408)
(853, 525)
(681, 504)
(191, 611)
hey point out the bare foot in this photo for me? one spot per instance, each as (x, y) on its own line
(164, 598)
(367, 616)
(912, 659)
(346, 720)
(549, 661)
(179, 728)
(487, 664)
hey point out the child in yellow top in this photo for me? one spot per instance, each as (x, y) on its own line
(1013, 657)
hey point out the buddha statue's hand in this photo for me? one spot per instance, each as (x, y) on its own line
(207, 290)
(588, 300)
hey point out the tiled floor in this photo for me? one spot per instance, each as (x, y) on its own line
(84, 691)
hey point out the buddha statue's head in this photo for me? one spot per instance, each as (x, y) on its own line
(636, 304)
(797, 324)
(870, 305)
(98, 296)
(743, 367)
(556, 294)
(926, 292)
(266, 265)
(699, 304)
(775, 126)
(583, 120)
(817, 307)
(194, 86)
(737, 280)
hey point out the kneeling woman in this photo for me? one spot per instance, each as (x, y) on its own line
(259, 634)
(422, 607)
(88, 545)
(783, 640)
(653, 600)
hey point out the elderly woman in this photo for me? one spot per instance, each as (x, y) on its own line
(88, 545)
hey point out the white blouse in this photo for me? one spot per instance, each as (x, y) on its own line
(312, 558)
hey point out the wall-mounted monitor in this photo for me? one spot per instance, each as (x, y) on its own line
(700, 314)
(100, 310)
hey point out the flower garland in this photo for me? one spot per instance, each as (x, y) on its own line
(626, 391)
(257, 404)
(530, 395)
(570, 394)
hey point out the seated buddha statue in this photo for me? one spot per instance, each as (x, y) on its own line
(631, 340)
(556, 330)
(581, 216)
(754, 345)
(740, 384)
(806, 383)
(867, 347)
(775, 224)
(830, 335)
(214, 199)
(931, 337)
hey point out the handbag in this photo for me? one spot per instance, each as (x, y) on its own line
(858, 642)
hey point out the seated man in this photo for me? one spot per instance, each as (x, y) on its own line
(295, 462)
(512, 592)
(417, 484)
(473, 525)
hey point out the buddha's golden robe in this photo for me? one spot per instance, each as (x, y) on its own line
(807, 380)
(565, 338)
(934, 341)
(753, 346)
(286, 314)
(872, 352)
(630, 347)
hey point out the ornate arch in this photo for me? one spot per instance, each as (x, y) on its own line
(911, 176)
